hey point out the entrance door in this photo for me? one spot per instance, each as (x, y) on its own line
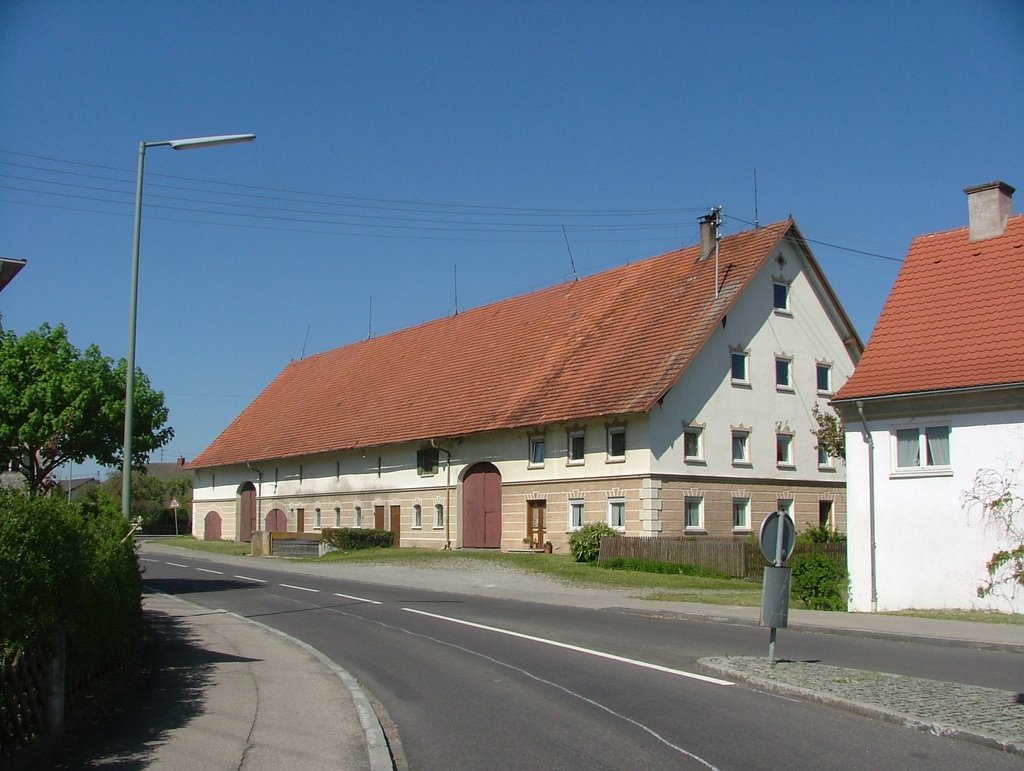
(396, 522)
(277, 521)
(300, 520)
(535, 522)
(378, 518)
(247, 516)
(211, 526)
(481, 507)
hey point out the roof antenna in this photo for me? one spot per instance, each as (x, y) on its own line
(369, 320)
(455, 268)
(304, 341)
(756, 220)
(569, 248)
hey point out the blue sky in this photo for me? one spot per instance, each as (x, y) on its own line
(413, 153)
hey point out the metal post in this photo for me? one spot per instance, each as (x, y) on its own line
(129, 388)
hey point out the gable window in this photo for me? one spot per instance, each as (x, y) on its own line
(438, 515)
(426, 461)
(784, 449)
(780, 296)
(823, 378)
(576, 448)
(617, 443)
(693, 444)
(536, 451)
(783, 373)
(738, 367)
(741, 447)
(357, 518)
(417, 516)
(617, 513)
(923, 449)
(740, 513)
(576, 514)
(694, 512)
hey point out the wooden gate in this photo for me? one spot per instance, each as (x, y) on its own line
(247, 517)
(211, 526)
(481, 507)
(277, 521)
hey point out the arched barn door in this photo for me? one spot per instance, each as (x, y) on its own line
(277, 521)
(211, 526)
(247, 508)
(481, 507)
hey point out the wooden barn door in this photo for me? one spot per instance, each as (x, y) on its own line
(481, 507)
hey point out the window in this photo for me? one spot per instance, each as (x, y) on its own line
(694, 508)
(740, 513)
(741, 447)
(536, 450)
(576, 447)
(926, 448)
(693, 444)
(316, 519)
(823, 378)
(357, 520)
(785, 505)
(784, 449)
(824, 459)
(617, 443)
(417, 516)
(576, 509)
(825, 515)
(617, 513)
(739, 367)
(783, 375)
(439, 515)
(337, 516)
(426, 461)
(780, 296)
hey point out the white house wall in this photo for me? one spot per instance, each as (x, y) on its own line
(931, 551)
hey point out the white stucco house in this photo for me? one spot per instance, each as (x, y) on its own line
(937, 398)
(669, 396)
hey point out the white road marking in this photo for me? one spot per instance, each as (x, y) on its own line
(357, 599)
(300, 588)
(207, 570)
(576, 648)
(246, 578)
(177, 564)
(147, 559)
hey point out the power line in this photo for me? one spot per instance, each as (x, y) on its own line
(831, 245)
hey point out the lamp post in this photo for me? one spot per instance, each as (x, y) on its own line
(129, 389)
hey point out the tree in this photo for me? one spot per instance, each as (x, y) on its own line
(997, 494)
(830, 433)
(58, 404)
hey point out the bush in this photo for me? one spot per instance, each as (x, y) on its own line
(585, 543)
(820, 534)
(352, 538)
(667, 568)
(818, 582)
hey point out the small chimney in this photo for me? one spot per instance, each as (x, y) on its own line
(181, 461)
(708, 234)
(988, 208)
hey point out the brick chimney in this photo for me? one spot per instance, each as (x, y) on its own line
(988, 208)
(708, 233)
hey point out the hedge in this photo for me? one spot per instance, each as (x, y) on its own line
(352, 538)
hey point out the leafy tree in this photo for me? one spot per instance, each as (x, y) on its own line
(149, 495)
(830, 433)
(58, 404)
(998, 496)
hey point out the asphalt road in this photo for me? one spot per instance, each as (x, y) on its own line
(467, 682)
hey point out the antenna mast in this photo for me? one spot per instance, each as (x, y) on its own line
(756, 220)
(455, 268)
(572, 263)
(369, 320)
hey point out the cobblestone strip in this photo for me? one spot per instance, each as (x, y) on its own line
(985, 715)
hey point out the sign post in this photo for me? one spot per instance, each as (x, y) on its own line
(777, 538)
(175, 506)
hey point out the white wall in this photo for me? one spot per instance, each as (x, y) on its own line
(931, 551)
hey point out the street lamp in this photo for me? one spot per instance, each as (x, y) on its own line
(129, 388)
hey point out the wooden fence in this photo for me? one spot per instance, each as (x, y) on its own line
(737, 558)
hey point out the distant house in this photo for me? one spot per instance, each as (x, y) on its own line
(9, 268)
(670, 396)
(938, 396)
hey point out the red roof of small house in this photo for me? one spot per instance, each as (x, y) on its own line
(609, 344)
(953, 320)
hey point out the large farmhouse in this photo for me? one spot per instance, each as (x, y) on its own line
(671, 396)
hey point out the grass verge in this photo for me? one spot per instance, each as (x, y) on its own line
(213, 547)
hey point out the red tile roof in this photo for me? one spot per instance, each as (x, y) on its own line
(609, 344)
(954, 318)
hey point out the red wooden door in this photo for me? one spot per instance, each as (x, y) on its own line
(481, 506)
(277, 521)
(378, 518)
(247, 518)
(396, 522)
(211, 526)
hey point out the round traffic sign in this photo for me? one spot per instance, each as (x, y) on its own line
(777, 525)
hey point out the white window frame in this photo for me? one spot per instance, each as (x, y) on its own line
(825, 461)
(573, 503)
(698, 433)
(743, 356)
(926, 466)
(569, 459)
(612, 432)
(438, 516)
(784, 450)
(743, 505)
(786, 308)
(788, 385)
(745, 435)
(785, 505)
(417, 517)
(613, 503)
(317, 521)
(691, 503)
(536, 446)
(819, 368)
(337, 516)
(357, 516)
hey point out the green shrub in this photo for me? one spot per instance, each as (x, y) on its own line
(818, 582)
(653, 566)
(352, 538)
(820, 534)
(585, 543)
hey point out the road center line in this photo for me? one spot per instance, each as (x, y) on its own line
(300, 588)
(357, 599)
(256, 580)
(177, 565)
(147, 559)
(207, 570)
(575, 648)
